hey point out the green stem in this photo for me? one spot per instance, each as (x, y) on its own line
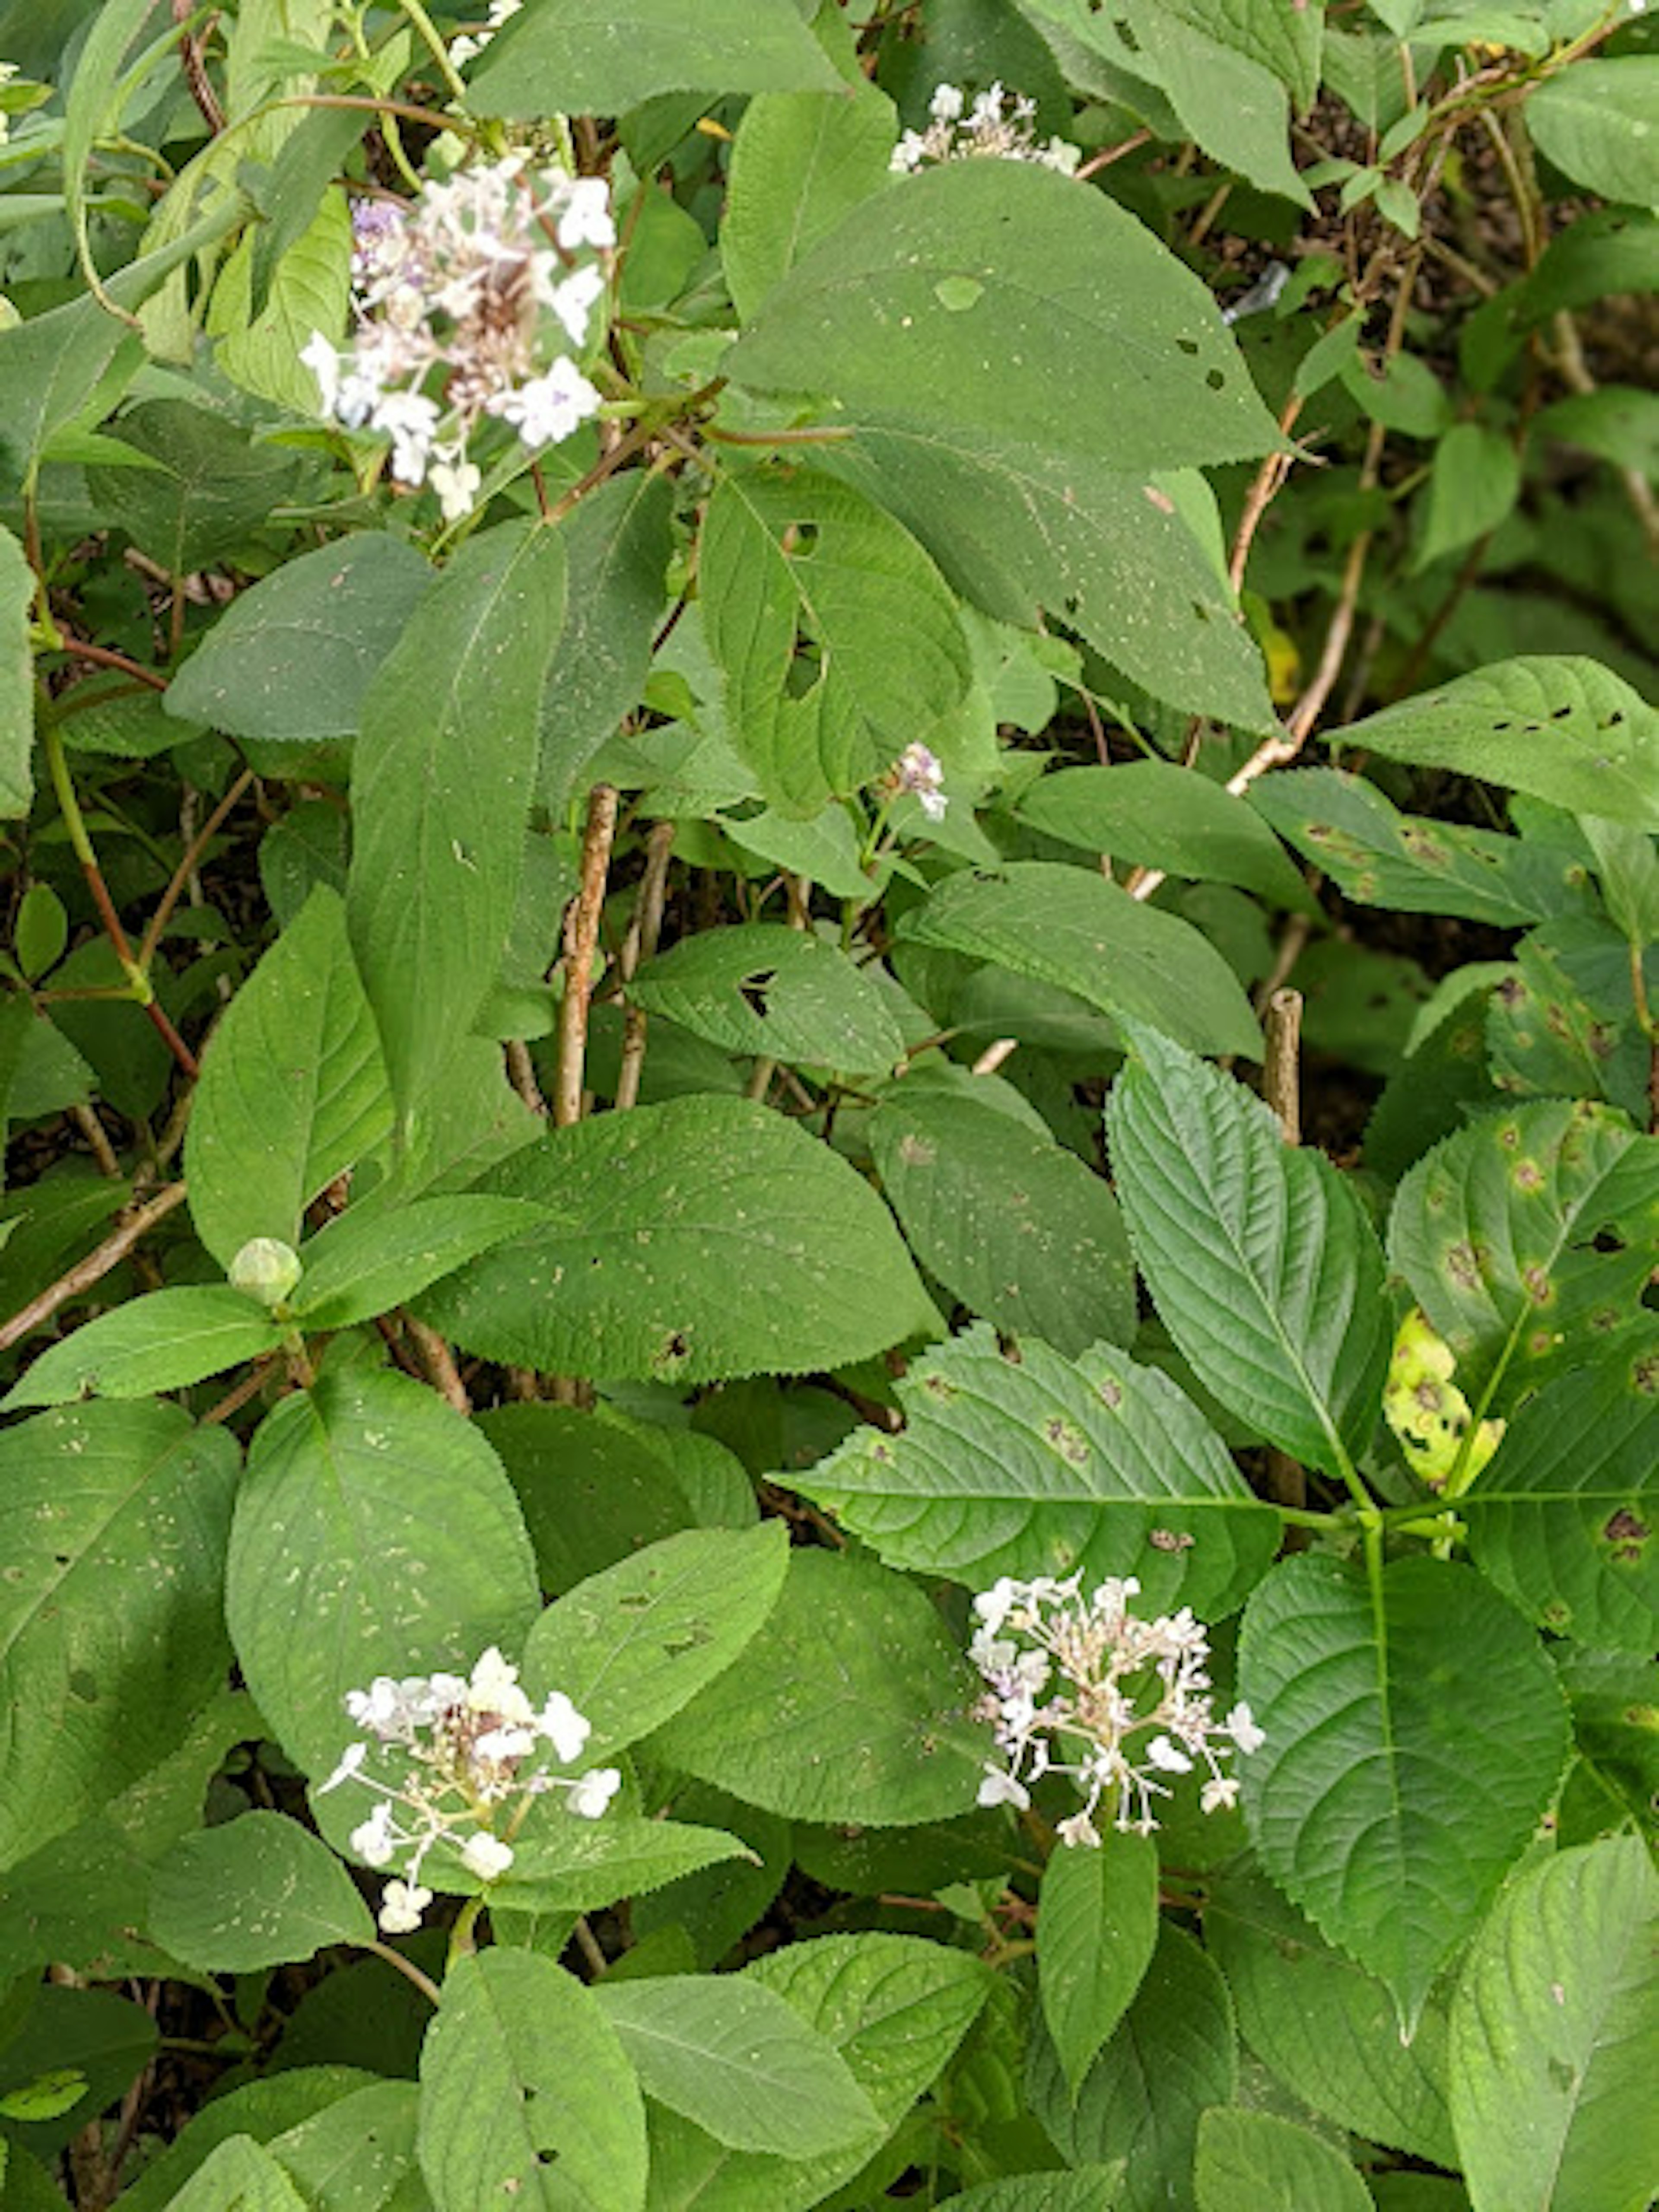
(455, 82)
(462, 1942)
(406, 1967)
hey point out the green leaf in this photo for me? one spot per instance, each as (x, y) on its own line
(576, 58)
(801, 161)
(1042, 1465)
(105, 2039)
(258, 1891)
(1598, 121)
(1172, 2056)
(848, 1706)
(775, 993)
(526, 2094)
(358, 2154)
(239, 2176)
(1085, 2189)
(1563, 729)
(1615, 1723)
(290, 659)
(896, 2007)
(1160, 816)
(1381, 857)
(1324, 2027)
(363, 1264)
(1260, 1257)
(260, 346)
(1415, 1734)
(1066, 926)
(1561, 1519)
(1018, 528)
(262, 2109)
(566, 1864)
(1286, 41)
(1082, 321)
(375, 1534)
(1011, 1223)
(1474, 480)
(1628, 867)
(1554, 2034)
(212, 486)
(16, 679)
(1619, 422)
(686, 1243)
(1234, 108)
(162, 1341)
(440, 794)
(1096, 1926)
(1257, 2162)
(618, 543)
(1527, 1238)
(293, 1090)
(630, 1647)
(737, 2059)
(801, 558)
(102, 1668)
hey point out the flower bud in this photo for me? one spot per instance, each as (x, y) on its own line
(266, 1270)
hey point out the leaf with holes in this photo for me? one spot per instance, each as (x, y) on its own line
(683, 1242)
(1415, 1733)
(1039, 1465)
(1528, 1239)
(775, 992)
(804, 584)
(1260, 1257)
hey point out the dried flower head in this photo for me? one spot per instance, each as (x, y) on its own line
(997, 127)
(1129, 1698)
(469, 305)
(475, 1763)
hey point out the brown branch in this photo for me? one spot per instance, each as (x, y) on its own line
(640, 944)
(186, 867)
(154, 1012)
(97, 1138)
(190, 49)
(1268, 480)
(581, 937)
(85, 1273)
(438, 1360)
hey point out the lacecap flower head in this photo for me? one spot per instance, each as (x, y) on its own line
(997, 125)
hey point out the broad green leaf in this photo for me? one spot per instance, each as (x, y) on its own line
(375, 1534)
(1554, 2034)
(684, 1242)
(632, 1645)
(1562, 1518)
(1598, 122)
(1286, 41)
(161, 1341)
(1014, 1225)
(1415, 1734)
(213, 486)
(566, 1864)
(1325, 2028)
(1082, 322)
(293, 1090)
(617, 543)
(1474, 480)
(1626, 864)
(801, 161)
(362, 1265)
(290, 659)
(441, 783)
(1260, 1257)
(895, 2008)
(1560, 1023)
(1096, 1926)
(775, 992)
(1527, 1238)
(258, 1891)
(16, 679)
(737, 2059)
(1020, 528)
(1619, 422)
(1085, 2189)
(1041, 1465)
(1615, 1721)
(1160, 816)
(1067, 925)
(1172, 2056)
(1381, 857)
(239, 2176)
(787, 560)
(577, 57)
(848, 1706)
(104, 2039)
(1236, 109)
(1563, 729)
(262, 2109)
(526, 2095)
(260, 348)
(1257, 2162)
(358, 2154)
(110, 1623)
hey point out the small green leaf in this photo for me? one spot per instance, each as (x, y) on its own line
(1160, 816)
(1554, 2034)
(801, 161)
(42, 930)
(239, 2176)
(1236, 111)
(363, 1265)
(1257, 2162)
(566, 1864)
(17, 588)
(45, 2098)
(775, 993)
(1473, 482)
(1096, 1926)
(162, 1341)
(258, 1891)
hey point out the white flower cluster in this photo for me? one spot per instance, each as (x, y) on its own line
(468, 1741)
(918, 770)
(484, 288)
(7, 70)
(470, 44)
(1130, 1695)
(999, 124)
